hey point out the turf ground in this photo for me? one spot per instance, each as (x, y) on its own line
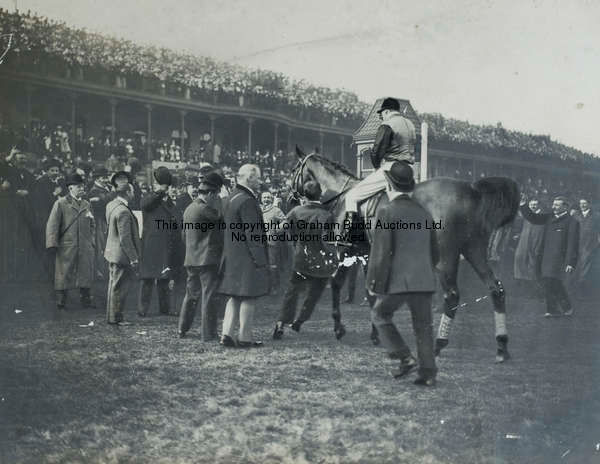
(100, 394)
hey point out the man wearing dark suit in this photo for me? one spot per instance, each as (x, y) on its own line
(158, 244)
(314, 262)
(203, 250)
(243, 259)
(183, 201)
(401, 271)
(122, 248)
(559, 253)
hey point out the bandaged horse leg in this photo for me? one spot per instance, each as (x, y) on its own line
(477, 257)
(447, 275)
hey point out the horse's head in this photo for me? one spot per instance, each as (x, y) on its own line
(329, 174)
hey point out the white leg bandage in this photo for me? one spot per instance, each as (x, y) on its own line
(500, 321)
(445, 325)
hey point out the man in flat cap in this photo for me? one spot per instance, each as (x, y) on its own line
(158, 243)
(203, 250)
(70, 232)
(401, 271)
(395, 141)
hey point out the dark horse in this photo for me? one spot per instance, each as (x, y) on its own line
(469, 213)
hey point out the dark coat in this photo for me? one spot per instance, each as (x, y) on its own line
(71, 230)
(559, 244)
(402, 261)
(183, 201)
(100, 196)
(158, 244)
(123, 242)
(312, 257)
(589, 242)
(203, 248)
(243, 260)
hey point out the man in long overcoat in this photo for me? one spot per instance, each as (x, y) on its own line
(203, 250)
(559, 253)
(589, 244)
(529, 248)
(401, 270)
(314, 261)
(158, 242)
(122, 248)
(70, 231)
(243, 258)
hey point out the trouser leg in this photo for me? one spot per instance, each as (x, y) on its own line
(422, 320)
(549, 295)
(290, 298)
(246, 319)
(369, 186)
(162, 288)
(315, 287)
(210, 281)
(232, 309)
(562, 296)
(120, 282)
(85, 296)
(381, 317)
(145, 296)
(61, 298)
(193, 292)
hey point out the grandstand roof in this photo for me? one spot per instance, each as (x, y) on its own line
(368, 129)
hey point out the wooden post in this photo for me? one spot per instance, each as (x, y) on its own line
(113, 122)
(73, 96)
(182, 113)
(321, 138)
(149, 132)
(275, 137)
(212, 128)
(250, 122)
(424, 155)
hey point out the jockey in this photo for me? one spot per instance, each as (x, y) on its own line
(395, 141)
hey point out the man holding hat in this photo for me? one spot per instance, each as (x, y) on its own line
(158, 243)
(122, 248)
(395, 141)
(401, 270)
(70, 232)
(203, 250)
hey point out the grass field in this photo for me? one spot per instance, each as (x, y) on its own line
(138, 394)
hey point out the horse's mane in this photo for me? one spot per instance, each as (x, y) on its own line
(499, 201)
(335, 165)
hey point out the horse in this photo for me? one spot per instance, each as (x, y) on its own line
(469, 214)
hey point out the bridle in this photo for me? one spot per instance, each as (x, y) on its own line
(298, 181)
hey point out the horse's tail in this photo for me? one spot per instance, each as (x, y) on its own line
(498, 201)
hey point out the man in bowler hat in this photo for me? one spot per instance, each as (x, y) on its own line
(401, 270)
(70, 233)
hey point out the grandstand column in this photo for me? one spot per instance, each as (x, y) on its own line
(289, 139)
(149, 132)
(321, 137)
(113, 121)
(28, 93)
(250, 123)
(73, 96)
(275, 136)
(182, 114)
(212, 118)
(342, 149)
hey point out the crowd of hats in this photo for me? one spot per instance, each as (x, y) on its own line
(498, 139)
(36, 35)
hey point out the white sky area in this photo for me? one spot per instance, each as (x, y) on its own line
(532, 65)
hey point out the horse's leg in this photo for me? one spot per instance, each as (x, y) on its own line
(477, 256)
(337, 282)
(447, 271)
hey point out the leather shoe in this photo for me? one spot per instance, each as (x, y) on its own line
(425, 381)
(278, 330)
(227, 341)
(295, 326)
(407, 365)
